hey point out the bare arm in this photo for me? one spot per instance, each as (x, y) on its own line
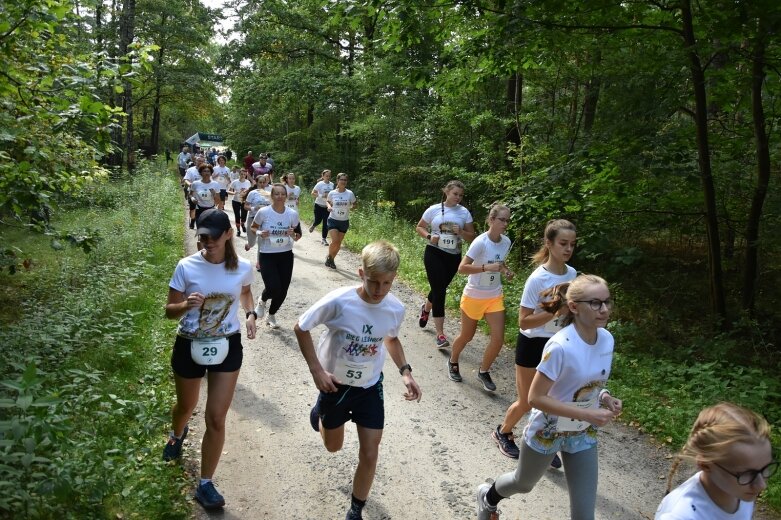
(248, 304)
(528, 320)
(468, 232)
(539, 398)
(396, 352)
(324, 381)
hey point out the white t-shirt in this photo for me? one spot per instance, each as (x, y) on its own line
(203, 193)
(341, 202)
(441, 220)
(579, 372)
(257, 199)
(690, 501)
(192, 174)
(278, 225)
(540, 280)
(182, 159)
(323, 189)
(237, 186)
(355, 332)
(222, 175)
(484, 251)
(292, 197)
(219, 314)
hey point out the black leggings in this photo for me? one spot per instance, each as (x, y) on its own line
(277, 271)
(239, 212)
(321, 215)
(441, 267)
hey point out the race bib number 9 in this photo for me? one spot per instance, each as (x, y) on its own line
(352, 373)
(209, 351)
(448, 241)
(489, 280)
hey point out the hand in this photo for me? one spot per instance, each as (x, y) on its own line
(325, 381)
(508, 274)
(265, 233)
(599, 416)
(251, 327)
(413, 392)
(291, 231)
(456, 229)
(434, 239)
(612, 404)
(195, 300)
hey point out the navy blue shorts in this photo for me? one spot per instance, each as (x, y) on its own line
(183, 365)
(528, 351)
(364, 406)
(340, 225)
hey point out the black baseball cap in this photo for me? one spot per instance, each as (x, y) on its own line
(213, 222)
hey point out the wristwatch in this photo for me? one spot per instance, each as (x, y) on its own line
(252, 313)
(405, 367)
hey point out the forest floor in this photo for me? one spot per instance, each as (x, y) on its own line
(433, 454)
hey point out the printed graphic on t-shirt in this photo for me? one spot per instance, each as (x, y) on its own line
(211, 319)
(354, 361)
(586, 396)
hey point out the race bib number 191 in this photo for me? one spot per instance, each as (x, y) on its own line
(448, 241)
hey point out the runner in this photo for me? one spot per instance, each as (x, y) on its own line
(222, 175)
(239, 188)
(262, 167)
(340, 201)
(569, 401)
(483, 295)
(182, 160)
(204, 295)
(536, 324)
(362, 323)
(277, 227)
(321, 190)
(444, 226)
(257, 197)
(731, 447)
(293, 191)
(190, 176)
(205, 192)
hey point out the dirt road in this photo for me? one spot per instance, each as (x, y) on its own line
(433, 453)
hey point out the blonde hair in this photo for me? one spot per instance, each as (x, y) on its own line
(494, 211)
(552, 229)
(341, 175)
(716, 429)
(322, 174)
(278, 185)
(380, 257)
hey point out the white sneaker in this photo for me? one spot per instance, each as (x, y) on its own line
(271, 321)
(484, 511)
(324, 241)
(260, 308)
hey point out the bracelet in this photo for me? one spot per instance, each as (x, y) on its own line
(252, 313)
(405, 367)
(428, 237)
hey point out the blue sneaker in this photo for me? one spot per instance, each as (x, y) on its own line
(173, 448)
(208, 496)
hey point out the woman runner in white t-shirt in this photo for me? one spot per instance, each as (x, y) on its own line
(321, 190)
(205, 293)
(537, 325)
(222, 175)
(340, 201)
(483, 296)
(731, 447)
(239, 188)
(570, 400)
(293, 191)
(445, 226)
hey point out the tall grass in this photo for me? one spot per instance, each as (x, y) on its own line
(85, 383)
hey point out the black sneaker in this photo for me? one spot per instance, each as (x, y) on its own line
(452, 372)
(506, 443)
(556, 462)
(173, 448)
(423, 318)
(208, 496)
(352, 514)
(485, 378)
(329, 262)
(192, 224)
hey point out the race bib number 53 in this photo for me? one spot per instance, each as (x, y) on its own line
(352, 373)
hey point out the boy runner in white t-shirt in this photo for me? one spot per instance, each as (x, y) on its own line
(362, 322)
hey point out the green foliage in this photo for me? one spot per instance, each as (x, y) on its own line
(83, 384)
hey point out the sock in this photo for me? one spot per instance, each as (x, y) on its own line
(204, 481)
(493, 497)
(483, 371)
(357, 505)
(177, 437)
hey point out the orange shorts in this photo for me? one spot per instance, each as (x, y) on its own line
(477, 308)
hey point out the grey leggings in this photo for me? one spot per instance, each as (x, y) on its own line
(580, 469)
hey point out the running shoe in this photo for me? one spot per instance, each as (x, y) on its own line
(506, 443)
(324, 242)
(260, 309)
(484, 511)
(329, 262)
(271, 321)
(238, 233)
(173, 448)
(192, 224)
(314, 416)
(243, 227)
(311, 228)
(353, 514)
(423, 319)
(485, 378)
(442, 341)
(247, 247)
(556, 462)
(452, 372)
(208, 496)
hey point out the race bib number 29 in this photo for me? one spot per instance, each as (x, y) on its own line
(209, 351)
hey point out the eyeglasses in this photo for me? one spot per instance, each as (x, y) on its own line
(597, 304)
(747, 477)
(505, 220)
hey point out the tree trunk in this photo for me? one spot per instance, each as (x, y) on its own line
(718, 304)
(126, 35)
(592, 94)
(154, 140)
(763, 174)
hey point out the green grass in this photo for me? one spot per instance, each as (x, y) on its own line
(85, 380)
(663, 392)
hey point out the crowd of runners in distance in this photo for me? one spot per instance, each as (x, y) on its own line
(563, 353)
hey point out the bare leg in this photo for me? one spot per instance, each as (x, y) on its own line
(495, 322)
(186, 399)
(369, 451)
(468, 327)
(218, 401)
(523, 381)
(336, 242)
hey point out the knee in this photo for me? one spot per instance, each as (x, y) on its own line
(215, 422)
(333, 445)
(369, 455)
